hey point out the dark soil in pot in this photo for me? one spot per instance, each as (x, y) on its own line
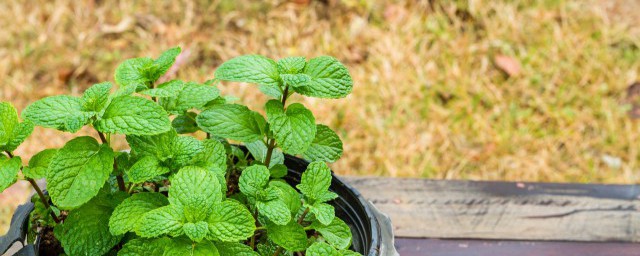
(371, 230)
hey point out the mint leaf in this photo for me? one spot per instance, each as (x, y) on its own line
(315, 181)
(182, 246)
(213, 156)
(291, 65)
(337, 233)
(128, 213)
(185, 123)
(191, 95)
(230, 221)
(190, 180)
(279, 170)
(135, 72)
(145, 169)
(290, 196)
(329, 79)
(295, 80)
(96, 97)
(291, 237)
(155, 145)
(39, 163)
(85, 231)
(236, 249)
(259, 152)
(164, 220)
(133, 115)
(59, 112)
(166, 89)
(144, 247)
(321, 249)
(253, 179)
(251, 69)
(274, 208)
(349, 253)
(9, 168)
(326, 146)
(20, 134)
(183, 149)
(270, 90)
(164, 62)
(78, 171)
(195, 231)
(231, 121)
(324, 213)
(294, 129)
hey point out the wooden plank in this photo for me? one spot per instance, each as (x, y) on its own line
(505, 210)
(437, 247)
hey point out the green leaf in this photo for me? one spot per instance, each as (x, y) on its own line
(337, 233)
(85, 231)
(185, 247)
(291, 65)
(253, 179)
(194, 184)
(321, 249)
(155, 145)
(167, 89)
(126, 215)
(196, 231)
(133, 115)
(315, 180)
(183, 149)
(295, 80)
(279, 170)
(77, 172)
(271, 90)
(290, 196)
(326, 146)
(294, 129)
(146, 169)
(59, 112)
(134, 72)
(275, 209)
(213, 157)
(251, 69)
(144, 247)
(291, 237)
(185, 123)
(20, 134)
(9, 168)
(164, 220)
(329, 79)
(230, 221)
(39, 163)
(96, 97)
(235, 249)
(191, 95)
(349, 253)
(259, 152)
(324, 213)
(231, 121)
(164, 62)
(8, 122)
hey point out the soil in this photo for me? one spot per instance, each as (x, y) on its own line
(49, 245)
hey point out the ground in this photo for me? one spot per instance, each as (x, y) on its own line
(477, 89)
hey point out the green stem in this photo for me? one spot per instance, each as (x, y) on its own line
(272, 142)
(253, 237)
(43, 199)
(119, 177)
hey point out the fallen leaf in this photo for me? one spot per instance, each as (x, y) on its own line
(508, 64)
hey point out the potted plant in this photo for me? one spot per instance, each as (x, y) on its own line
(173, 194)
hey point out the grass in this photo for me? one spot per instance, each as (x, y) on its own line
(429, 100)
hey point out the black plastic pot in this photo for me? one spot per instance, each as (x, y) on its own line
(372, 230)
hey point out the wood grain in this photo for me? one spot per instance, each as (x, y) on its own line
(505, 210)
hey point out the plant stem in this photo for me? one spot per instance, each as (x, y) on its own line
(119, 177)
(103, 138)
(278, 251)
(253, 237)
(43, 199)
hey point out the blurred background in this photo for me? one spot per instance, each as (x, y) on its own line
(470, 89)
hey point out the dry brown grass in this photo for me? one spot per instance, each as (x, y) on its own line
(428, 100)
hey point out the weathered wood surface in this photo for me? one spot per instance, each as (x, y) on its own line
(422, 208)
(437, 247)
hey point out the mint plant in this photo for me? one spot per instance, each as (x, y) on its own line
(185, 187)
